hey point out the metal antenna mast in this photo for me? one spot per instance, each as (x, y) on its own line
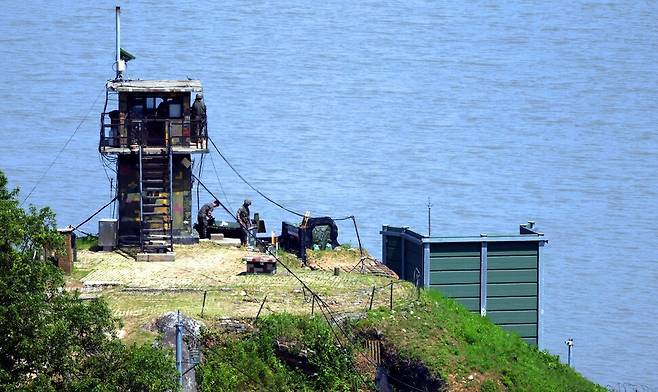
(120, 64)
(429, 217)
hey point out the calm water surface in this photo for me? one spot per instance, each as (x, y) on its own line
(500, 113)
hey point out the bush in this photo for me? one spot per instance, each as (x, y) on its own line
(287, 353)
(53, 340)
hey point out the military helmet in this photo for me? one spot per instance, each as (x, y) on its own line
(247, 202)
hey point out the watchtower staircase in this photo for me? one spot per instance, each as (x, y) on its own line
(155, 208)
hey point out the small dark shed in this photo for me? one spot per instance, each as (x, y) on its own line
(498, 276)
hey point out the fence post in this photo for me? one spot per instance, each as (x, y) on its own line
(313, 305)
(391, 301)
(261, 307)
(179, 349)
(203, 306)
(372, 296)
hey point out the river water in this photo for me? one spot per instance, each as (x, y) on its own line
(500, 113)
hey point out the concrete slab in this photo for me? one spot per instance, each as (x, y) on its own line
(156, 257)
(217, 236)
(227, 242)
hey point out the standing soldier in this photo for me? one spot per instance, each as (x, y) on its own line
(244, 220)
(204, 218)
(198, 118)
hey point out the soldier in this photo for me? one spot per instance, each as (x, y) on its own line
(244, 220)
(205, 217)
(198, 117)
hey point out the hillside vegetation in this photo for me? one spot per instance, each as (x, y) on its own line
(431, 344)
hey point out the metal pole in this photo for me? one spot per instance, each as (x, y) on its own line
(204, 302)
(569, 343)
(141, 203)
(372, 297)
(261, 307)
(358, 238)
(391, 299)
(118, 41)
(170, 199)
(179, 350)
(313, 305)
(429, 217)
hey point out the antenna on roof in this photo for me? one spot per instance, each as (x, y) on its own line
(120, 64)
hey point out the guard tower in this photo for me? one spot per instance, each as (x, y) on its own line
(153, 133)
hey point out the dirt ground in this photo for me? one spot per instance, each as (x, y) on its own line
(138, 292)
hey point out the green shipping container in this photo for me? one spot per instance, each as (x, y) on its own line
(498, 276)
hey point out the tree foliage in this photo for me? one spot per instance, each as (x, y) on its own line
(50, 339)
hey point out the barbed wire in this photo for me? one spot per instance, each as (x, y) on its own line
(630, 387)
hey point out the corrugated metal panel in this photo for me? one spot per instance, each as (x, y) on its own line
(159, 86)
(513, 248)
(512, 262)
(452, 277)
(458, 249)
(511, 303)
(472, 304)
(393, 253)
(512, 276)
(512, 289)
(513, 316)
(471, 263)
(523, 330)
(512, 283)
(459, 290)
(413, 261)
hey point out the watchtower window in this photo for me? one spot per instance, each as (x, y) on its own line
(153, 102)
(175, 110)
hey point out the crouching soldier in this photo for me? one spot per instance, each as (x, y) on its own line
(205, 218)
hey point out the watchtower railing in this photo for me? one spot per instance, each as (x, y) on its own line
(152, 132)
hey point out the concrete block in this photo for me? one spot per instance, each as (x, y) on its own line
(217, 236)
(260, 264)
(227, 242)
(156, 257)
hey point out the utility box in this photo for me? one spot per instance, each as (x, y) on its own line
(107, 234)
(498, 276)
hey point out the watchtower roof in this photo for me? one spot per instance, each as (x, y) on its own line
(154, 86)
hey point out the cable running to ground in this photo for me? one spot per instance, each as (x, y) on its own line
(61, 150)
(249, 184)
(329, 316)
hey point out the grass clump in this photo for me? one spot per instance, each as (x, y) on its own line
(286, 353)
(89, 242)
(469, 350)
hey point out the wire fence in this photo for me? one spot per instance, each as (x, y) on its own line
(629, 387)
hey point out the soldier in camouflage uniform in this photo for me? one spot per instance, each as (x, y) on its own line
(204, 217)
(244, 220)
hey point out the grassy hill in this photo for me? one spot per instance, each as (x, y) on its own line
(431, 344)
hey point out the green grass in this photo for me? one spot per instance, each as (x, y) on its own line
(86, 243)
(456, 344)
(286, 353)
(79, 273)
